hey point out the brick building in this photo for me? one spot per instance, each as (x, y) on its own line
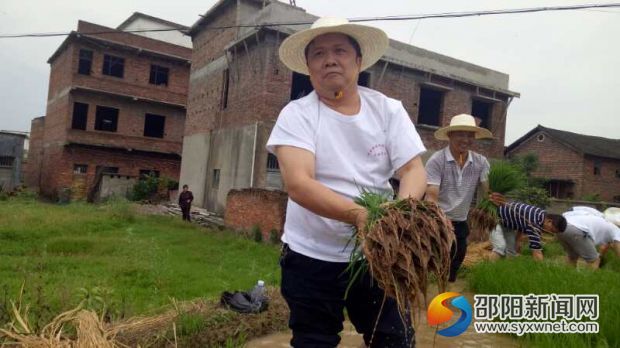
(11, 159)
(116, 104)
(238, 87)
(574, 165)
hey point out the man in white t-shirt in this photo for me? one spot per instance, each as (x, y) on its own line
(331, 144)
(586, 231)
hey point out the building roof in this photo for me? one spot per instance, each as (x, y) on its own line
(14, 133)
(79, 35)
(137, 15)
(585, 144)
(398, 53)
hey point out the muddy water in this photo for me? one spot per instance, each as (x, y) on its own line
(425, 335)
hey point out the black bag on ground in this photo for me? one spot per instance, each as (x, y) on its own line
(241, 302)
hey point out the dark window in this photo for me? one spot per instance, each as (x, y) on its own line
(106, 170)
(215, 181)
(301, 86)
(80, 116)
(80, 168)
(86, 62)
(6, 161)
(148, 172)
(113, 66)
(272, 163)
(483, 111)
(159, 75)
(154, 126)
(106, 119)
(597, 167)
(616, 199)
(225, 83)
(429, 109)
(618, 173)
(559, 189)
(363, 79)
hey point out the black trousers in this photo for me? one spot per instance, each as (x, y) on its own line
(315, 293)
(459, 247)
(185, 210)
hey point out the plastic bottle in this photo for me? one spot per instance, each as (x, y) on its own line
(258, 293)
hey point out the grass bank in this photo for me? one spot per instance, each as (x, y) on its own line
(112, 259)
(522, 275)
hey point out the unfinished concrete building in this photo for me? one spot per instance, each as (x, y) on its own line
(11, 159)
(116, 105)
(238, 87)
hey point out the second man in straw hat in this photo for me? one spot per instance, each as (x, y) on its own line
(453, 175)
(330, 144)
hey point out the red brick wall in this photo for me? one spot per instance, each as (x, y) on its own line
(133, 40)
(556, 160)
(130, 128)
(32, 167)
(135, 80)
(607, 183)
(248, 207)
(57, 161)
(209, 44)
(58, 170)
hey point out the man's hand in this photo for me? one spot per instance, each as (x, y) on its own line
(497, 198)
(360, 219)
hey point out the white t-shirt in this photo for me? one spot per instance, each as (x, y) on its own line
(351, 153)
(601, 230)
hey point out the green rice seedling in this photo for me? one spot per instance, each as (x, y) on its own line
(503, 178)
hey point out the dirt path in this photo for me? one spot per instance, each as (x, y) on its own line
(424, 334)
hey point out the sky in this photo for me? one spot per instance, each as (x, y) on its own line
(565, 65)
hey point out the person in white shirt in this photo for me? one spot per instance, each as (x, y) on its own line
(584, 232)
(331, 144)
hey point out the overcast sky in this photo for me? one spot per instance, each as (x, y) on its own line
(565, 64)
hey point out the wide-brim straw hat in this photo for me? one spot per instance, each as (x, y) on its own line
(373, 42)
(463, 122)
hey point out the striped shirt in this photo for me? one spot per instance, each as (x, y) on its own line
(525, 218)
(457, 185)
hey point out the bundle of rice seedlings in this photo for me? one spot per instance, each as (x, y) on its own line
(503, 178)
(403, 243)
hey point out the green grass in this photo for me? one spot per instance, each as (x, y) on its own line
(108, 255)
(522, 275)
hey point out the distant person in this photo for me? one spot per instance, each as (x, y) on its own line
(585, 232)
(453, 174)
(185, 202)
(515, 218)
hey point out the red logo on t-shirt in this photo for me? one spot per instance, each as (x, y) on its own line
(377, 150)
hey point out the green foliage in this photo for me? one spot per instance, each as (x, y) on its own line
(142, 260)
(257, 234)
(190, 324)
(591, 197)
(532, 195)
(527, 163)
(236, 342)
(145, 188)
(505, 177)
(522, 275)
(100, 300)
(274, 236)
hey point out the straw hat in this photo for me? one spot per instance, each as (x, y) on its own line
(373, 42)
(463, 122)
